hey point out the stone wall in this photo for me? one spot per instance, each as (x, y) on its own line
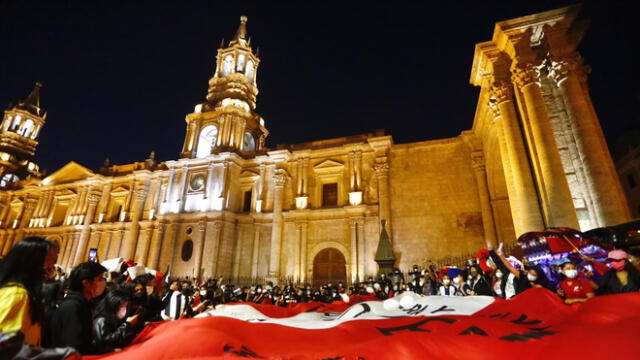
(434, 201)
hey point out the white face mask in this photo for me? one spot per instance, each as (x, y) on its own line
(149, 290)
(446, 281)
(203, 292)
(571, 273)
(456, 281)
(532, 277)
(498, 274)
(122, 312)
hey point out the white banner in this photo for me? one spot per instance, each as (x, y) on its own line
(403, 305)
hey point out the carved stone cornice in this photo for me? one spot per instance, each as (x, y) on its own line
(477, 161)
(524, 75)
(381, 168)
(561, 68)
(279, 179)
(501, 91)
(493, 106)
(93, 199)
(140, 194)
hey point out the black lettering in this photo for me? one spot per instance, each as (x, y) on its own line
(527, 336)
(415, 326)
(367, 309)
(522, 318)
(442, 308)
(242, 352)
(475, 331)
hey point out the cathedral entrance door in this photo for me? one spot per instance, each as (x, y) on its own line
(329, 265)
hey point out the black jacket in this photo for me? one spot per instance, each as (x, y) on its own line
(481, 286)
(610, 284)
(71, 324)
(108, 336)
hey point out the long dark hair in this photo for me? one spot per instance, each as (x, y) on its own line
(24, 265)
(109, 306)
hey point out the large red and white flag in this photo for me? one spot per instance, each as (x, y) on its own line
(534, 325)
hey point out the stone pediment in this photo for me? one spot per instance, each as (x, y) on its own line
(119, 190)
(328, 164)
(65, 192)
(68, 173)
(248, 173)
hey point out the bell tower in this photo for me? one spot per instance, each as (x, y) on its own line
(227, 121)
(19, 133)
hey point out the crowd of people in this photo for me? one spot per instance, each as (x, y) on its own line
(46, 313)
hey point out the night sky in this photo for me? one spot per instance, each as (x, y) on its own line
(119, 77)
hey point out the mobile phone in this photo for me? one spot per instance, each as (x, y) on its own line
(93, 255)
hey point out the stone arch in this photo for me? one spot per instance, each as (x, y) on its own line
(498, 188)
(325, 245)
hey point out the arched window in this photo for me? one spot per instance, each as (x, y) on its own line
(187, 250)
(25, 130)
(207, 139)
(240, 65)
(249, 142)
(249, 72)
(227, 65)
(8, 179)
(16, 123)
(35, 132)
(7, 123)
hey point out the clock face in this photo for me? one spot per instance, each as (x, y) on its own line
(197, 183)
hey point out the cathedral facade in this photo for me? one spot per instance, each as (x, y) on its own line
(535, 157)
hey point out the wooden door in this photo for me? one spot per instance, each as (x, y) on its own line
(329, 265)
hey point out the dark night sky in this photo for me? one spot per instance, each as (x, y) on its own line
(119, 77)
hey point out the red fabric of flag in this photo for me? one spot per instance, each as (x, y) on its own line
(534, 325)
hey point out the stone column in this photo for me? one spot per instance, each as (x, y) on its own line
(168, 245)
(362, 261)
(277, 225)
(602, 180)
(557, 200)
(208, 192)
(297, 255)
(116, 241)
(303, 253)
(382, 174)
(74, 241)
(524, 200)
(8, 243)
(111, 252)
(142, 251)
(81, 251)
(169, 191)
(237, 251)
(130, 244)
(217, 232)
(477, 162)
(29, 206)
(256, 251)
(353, 231)
(156, 245)
(199, 249)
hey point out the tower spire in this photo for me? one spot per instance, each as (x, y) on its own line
(32, 102)
(241, 34)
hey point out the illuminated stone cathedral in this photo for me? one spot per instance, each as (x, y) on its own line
(534, 157)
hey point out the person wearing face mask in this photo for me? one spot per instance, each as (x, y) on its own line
(623, 276)
(499, 284)
(573, 288)
(478, 282)
(72, 323)
(447, 289)
(462, 288)
(111, 328)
